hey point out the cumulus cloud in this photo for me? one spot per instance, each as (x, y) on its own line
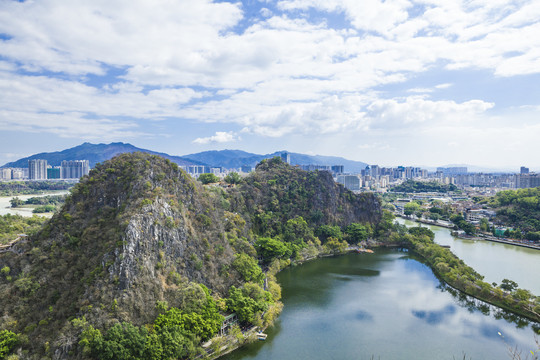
(121, 65)
(219, 137)
(415, 110)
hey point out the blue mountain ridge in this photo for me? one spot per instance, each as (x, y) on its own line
(97, 153)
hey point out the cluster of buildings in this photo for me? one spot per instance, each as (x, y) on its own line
(39, 169)
(379, 178)
(372, 178)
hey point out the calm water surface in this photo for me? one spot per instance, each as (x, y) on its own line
(385, 305)
(495, 261)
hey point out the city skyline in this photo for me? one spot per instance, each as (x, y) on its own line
(408, 82)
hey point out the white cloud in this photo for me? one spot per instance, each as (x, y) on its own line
(443, 86)
(284, 74)
(265, 12)
(417, 111)
(219, 137)
(69, 125)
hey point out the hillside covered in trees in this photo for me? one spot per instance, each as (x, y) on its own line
(144, 262)
(519, 209)
(413, 186)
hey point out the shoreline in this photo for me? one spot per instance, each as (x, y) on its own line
(475, 238)
(372, 244)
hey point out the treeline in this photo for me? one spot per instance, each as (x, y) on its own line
(45, 203)
(9, 188)
(413, 186)
(457, 274)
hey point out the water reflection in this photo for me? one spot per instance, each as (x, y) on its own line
(435, 317)
(493, 260)
(335, 309)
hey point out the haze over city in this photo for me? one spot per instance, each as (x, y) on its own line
(405, 82)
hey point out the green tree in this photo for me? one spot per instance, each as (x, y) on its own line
(208, 178)
(411, 208)
(8, 340)
(247, 302)
(434, 216)
(422, 230)
(233, 178)
(269, 248)
(326, 231)
(508, 285)
(297, 230)
(248, 268)
(16, 202)
(484, 225)
(335, 246)
(356, 233)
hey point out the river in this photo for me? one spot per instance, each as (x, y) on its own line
(5, 205)
(495, 261)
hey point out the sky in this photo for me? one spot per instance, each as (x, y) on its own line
(395, 82)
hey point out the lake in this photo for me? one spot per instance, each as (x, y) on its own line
(495, 261)
(386, 305)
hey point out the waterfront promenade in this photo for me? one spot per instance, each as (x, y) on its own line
(482, 236)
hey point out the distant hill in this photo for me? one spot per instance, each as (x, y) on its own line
(98, 153)
(135, 263)
(237, 158)
(95, 153)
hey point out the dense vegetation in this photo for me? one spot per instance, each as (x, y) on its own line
(519, 209)
(412, 186)
(143, 262)
(462, 277)
(9, 188)
(13, 225)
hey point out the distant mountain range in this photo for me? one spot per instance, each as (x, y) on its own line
(97, 153)
(238, 158)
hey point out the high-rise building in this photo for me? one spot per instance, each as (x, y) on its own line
(74, 169)
(314, 167)
(196, 170)
(338, 169)
(37, 169)
(524, 170)
(286, 157)
(453, 170)
(5, 174)
(375, 171)
(18, 173)
(524, 181)
(351, 182)
(54, 172)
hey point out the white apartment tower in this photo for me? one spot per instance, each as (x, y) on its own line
(74, 169)
(37, 169)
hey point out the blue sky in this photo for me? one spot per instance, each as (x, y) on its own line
(413, 82)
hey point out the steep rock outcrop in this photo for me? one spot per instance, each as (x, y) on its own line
(138, 231)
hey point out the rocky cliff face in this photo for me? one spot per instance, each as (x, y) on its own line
(138, 231)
